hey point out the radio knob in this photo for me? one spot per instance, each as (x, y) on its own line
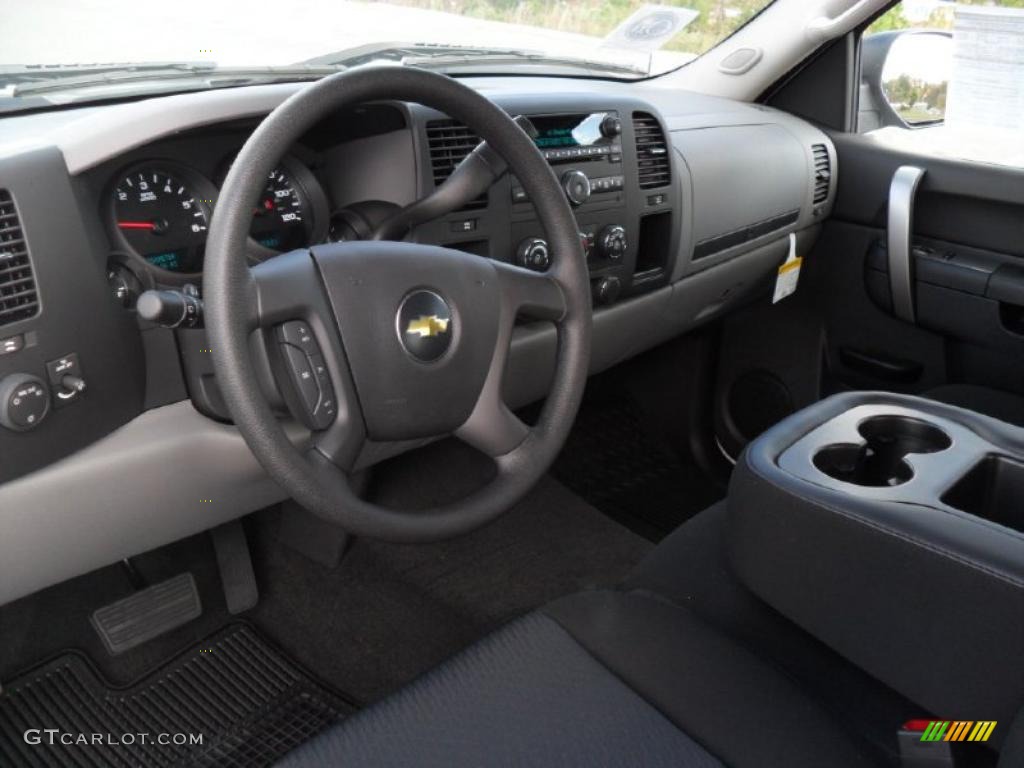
(533, 254)
(611, 126)
(607, 289)
(576, 186)
(24, 401)
(612, 242)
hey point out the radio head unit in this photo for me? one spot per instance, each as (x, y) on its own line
(575, 136)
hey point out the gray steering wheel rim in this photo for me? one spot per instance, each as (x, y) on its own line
(229, 297)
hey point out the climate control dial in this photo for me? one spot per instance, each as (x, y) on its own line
(611, 242)
(533, 254)
(606, 290)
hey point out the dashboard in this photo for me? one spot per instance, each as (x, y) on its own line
(155, 203)
(685, 205)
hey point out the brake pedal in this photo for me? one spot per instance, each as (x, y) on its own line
(148, 613)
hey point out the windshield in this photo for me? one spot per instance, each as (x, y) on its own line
(60, 45)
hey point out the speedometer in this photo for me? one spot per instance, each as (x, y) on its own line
(162, 214)
(279, 221)
(291, 211)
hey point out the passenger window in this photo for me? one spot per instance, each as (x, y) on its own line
(947, 78)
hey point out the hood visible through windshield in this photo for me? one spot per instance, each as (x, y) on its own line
(620, 39)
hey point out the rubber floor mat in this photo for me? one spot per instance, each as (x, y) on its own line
(631, 475)
(232, 700)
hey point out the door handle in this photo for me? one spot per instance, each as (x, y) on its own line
(900, 224)
(880, 366)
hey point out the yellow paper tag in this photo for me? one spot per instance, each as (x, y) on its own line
(789, 273)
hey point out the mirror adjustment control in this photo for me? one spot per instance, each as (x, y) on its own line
(24, 401)
(308, 373)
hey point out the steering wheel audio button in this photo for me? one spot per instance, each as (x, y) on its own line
(326, 408)
(298, 334)
(308, 374)
(303, 379)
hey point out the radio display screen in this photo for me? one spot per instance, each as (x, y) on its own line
(557, 131)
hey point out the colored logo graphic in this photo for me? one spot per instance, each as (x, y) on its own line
(427, 326)
(953, 730)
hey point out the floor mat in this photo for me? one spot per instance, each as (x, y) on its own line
(385, 615)
(615, 462)
(391, 612)
(247, 702)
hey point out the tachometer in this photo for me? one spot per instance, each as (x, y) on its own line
(162, 214)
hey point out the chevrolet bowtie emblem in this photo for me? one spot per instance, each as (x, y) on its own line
(427, 326)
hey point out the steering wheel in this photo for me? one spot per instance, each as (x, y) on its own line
(404, 341)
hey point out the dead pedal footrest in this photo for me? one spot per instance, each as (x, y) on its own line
(149, 613)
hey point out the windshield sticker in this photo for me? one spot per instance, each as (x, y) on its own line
(650, 27)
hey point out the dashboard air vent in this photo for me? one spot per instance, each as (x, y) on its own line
(652, 155)
(822, 172)
(18, 297)
(449, 143)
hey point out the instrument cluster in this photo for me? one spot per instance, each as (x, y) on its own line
(159, 212)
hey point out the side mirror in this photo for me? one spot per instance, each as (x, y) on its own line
(904, 78)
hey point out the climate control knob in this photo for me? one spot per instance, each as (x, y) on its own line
(611, 242)
(607, 290)
(576, 186)
(533, 254)
(24, 401)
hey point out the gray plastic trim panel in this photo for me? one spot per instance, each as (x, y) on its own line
(165, 475)
(934, 473)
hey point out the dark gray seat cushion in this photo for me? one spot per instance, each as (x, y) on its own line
(526, 695)
(600, 678)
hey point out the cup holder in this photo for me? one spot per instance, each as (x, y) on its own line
(881, 459)
(904, 434)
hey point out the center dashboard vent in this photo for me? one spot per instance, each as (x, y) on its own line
(18, 297)
(653, 161)
(822, 172)
(449, 142)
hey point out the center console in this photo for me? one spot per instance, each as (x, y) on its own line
(892, 528)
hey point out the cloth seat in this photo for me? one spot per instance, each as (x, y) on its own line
(602, 678)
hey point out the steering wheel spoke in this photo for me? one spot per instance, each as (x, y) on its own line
(491, 427)
(531, 294)
(306, 356)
